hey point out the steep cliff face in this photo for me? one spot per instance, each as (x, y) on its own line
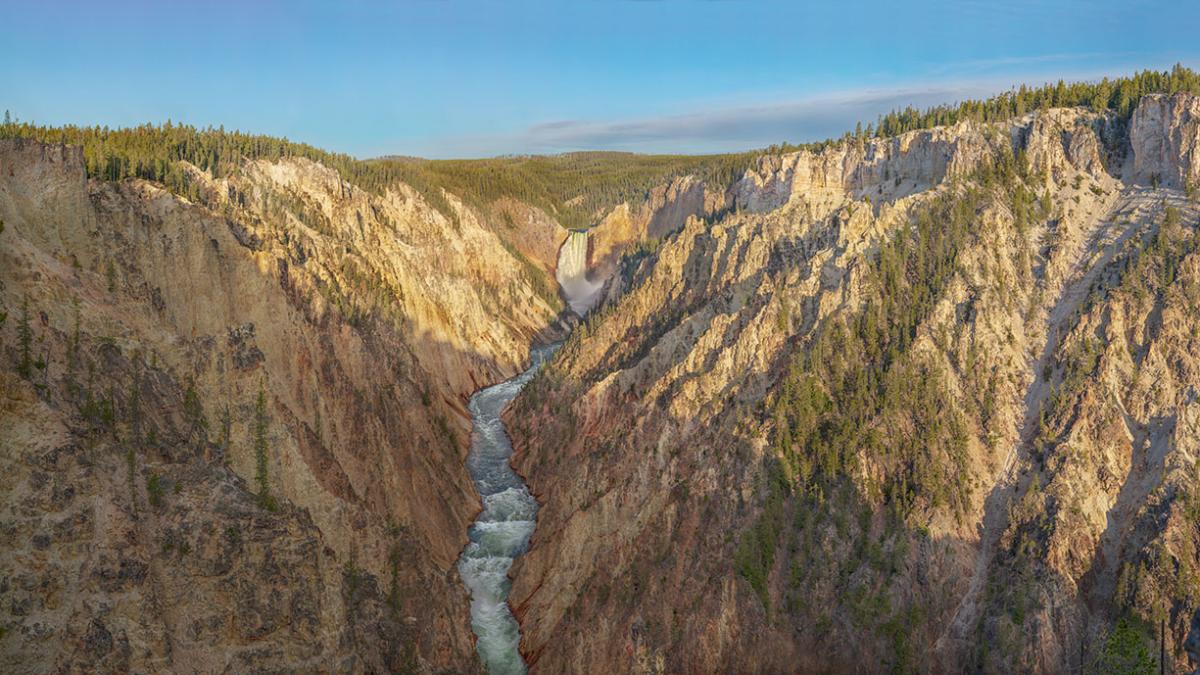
(664, 211)
(141, 332)
(865, 421)
(886, 170)
(1163, 135)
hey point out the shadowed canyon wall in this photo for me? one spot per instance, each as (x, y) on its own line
(137, 533)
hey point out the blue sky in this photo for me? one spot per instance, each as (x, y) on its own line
(457, 78)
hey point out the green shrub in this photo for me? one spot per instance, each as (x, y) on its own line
(261, 452)
(755, 554)
(154, 488)
(1126, 651)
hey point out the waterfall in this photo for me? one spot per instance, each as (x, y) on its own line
(572, 273)
(572, 259)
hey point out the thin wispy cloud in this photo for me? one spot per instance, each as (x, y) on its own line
(727, 127)
(740, 126)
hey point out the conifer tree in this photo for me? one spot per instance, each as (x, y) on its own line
(25, 341)
(261, 450)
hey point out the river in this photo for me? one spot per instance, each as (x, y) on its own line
(501, 531)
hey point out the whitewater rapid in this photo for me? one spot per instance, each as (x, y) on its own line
(501, 531)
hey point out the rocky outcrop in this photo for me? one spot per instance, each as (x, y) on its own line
(1058, 142)
(878, 169)
(663, 212)
(1061, 143)
(141, 329)
(1164, 138)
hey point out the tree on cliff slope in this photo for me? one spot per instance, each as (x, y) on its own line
(261, 447)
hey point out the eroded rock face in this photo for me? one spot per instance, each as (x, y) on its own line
(878, 168)
(1163, 138)
(1065, 499)
(664, 211)
(133, 536)
(1059, 142)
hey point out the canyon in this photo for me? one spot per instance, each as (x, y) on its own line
(924, 402)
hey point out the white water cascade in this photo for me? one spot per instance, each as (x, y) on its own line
(501, 531)
(582, 293)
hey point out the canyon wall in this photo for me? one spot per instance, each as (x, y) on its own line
(143, 331)
(627, 227)
(919, 403)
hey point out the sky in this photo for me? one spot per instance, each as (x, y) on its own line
(459, 78)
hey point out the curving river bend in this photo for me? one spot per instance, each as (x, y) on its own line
(501, 531)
